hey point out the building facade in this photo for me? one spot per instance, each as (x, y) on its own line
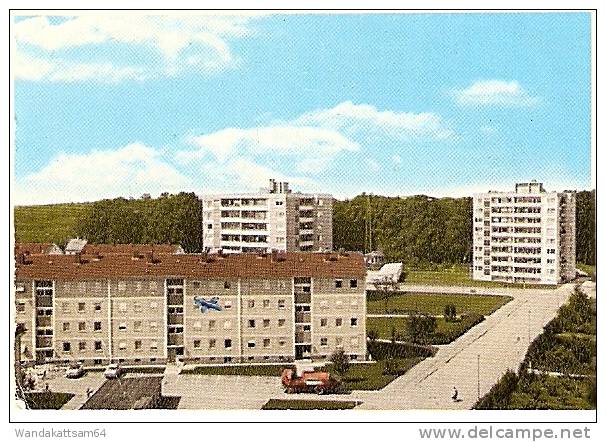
(196, 308)
(273, 219)
(526, 236)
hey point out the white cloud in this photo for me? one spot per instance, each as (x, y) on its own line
(128, 171)
(356, 118)
(198, 42)
(495, 92)
(313, 140)
(27, 67)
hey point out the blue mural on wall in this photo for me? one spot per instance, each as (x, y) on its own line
(205, 305)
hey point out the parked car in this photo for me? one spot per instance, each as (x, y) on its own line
(74, 371)
(113, 371)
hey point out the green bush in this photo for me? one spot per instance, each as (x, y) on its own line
(385, 350)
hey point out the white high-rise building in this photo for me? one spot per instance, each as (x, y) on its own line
(526, 236)
(273, 219)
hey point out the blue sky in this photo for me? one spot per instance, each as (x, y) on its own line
(395, 104)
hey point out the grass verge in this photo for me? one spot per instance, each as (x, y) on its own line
(47, 400)
(300, 404)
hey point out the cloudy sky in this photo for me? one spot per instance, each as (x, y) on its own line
(395, 104)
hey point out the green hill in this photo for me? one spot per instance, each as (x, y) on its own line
(54, 223)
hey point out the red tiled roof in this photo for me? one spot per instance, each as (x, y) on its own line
(107, 249)
(70, 267)
(33, 248)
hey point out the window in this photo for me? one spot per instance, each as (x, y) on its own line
(353, 283)
(122, 307)
(279, 203)
(281, 303)
(265, 303)
(281, 322)
(339, 322)
(64, 307)
(137, 326)
(227, 325)
(122, 345)
(97, 326)
(226, 285)
(67, 347)
(338, 283)
(211, 324)
(266, 323)
(227, 343)
(196, 343)
(21, 307)
(209, 226)
(98, 345)
(82, 346)
(251, 344)
(323, 322)
(212, 343)
(339, 341)
(122, 326)
(153, 345)
(66, 326)
(81, 326)
(354, 322)
(266, 342)
(81, 306)
(153, 325)
(323, 342)
(138, 345)
(251, 323)
(137, 307)
(198, 325)
(97, 306)
(196, 284)
(227, 305)
(153, 305)
(339, 303)
(251, 303)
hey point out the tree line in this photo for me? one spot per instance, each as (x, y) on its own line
(417, 230)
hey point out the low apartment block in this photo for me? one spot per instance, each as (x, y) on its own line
(210, 308)
(526, 236)
(274, 219)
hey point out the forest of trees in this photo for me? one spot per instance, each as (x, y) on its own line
(174, 219)
(416, 230)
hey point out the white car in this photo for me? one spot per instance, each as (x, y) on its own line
(74, 371)
(113, 371)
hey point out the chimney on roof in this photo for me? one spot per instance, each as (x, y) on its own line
(21, 258)
(150, 258)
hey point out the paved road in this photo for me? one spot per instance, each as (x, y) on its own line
(92, 380)
(501, 341)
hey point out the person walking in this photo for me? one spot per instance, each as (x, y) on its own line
(455, 394)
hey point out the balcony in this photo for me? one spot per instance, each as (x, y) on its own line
(44, 321)
(175, 339)
(302, 298)
(44, 301)
(175, 299)
(175, 319)
(303, 317)
(44, 342)
(303, 337)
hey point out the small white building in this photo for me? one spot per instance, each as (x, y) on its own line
(75, 246)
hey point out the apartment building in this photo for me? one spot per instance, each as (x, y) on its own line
(273, 219)
(525, 236)
(209, 308)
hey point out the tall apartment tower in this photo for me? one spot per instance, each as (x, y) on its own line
(526, 236)
(273, 219)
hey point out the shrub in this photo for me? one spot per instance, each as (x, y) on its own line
(420, 327)
(450, 312)
(340, 361)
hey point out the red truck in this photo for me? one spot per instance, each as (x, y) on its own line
(318, 382)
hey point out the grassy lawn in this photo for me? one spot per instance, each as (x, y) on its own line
(457, 275)
(54, 223)
(590, 270)
(47, 400)
(434, 304)
(242, 370)
(373, 376)
(299, 404)
(383, 327)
